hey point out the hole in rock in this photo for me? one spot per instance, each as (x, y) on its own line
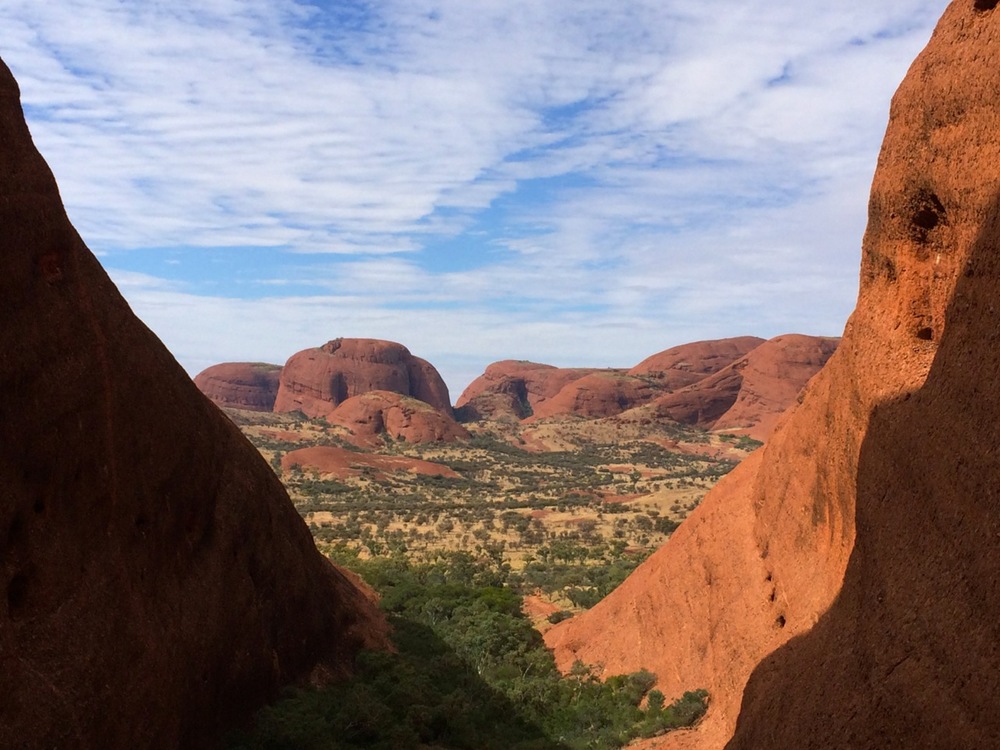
(927, 213)
(982, 5)
(925, 334)
(17, 592)
(774, 594)
(39, 506)
(780, 622)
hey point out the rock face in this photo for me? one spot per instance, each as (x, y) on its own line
(241, 385)
(749, 394)
(875, 466)
(157, 584)
(688, 363)
(600, 394)
(315, 381)
(667, 370)
(376, 414)
(907, 655)
(771, 379)
(489, 395)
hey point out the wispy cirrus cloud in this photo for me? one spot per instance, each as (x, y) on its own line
(467, 175)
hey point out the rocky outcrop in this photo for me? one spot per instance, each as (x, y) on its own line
(683, 365)
(772, 377)
(751, 393)
(531, 385)
(907, 655)
(874, 467)
(315, 381)
(241, 385)
(600, 394)
(376, 415)
(157, 584)
(517, 390)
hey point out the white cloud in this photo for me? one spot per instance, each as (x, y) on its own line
(643, 172)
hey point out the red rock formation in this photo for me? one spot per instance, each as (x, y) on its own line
(372, 416)
(600, 394)
(688, 363)
(489, 394)
(315, 381)
(772, 379)
(516, 389)
(157, 584)
(751, 393)
(907, 656)
(241, 385)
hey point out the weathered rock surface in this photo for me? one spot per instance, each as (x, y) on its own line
(600, 394)
(157, 584)
(772, 378)
(873, 466)
(750, 394)
(907, 655)
(683, 365)
(536, 382)
(315, 381)
(241, 385)
(378, 414)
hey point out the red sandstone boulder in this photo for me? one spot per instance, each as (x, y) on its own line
(373, 416)
(241, 385)
(315, 381)
(157, 583)
(867, 525)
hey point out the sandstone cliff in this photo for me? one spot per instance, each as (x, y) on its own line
(315, 381)
(157, 583)
(907, 655)
(241, 385)
(764, 557)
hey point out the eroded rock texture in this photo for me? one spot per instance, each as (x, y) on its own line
(315, 381)
(376, 415)
(907, 656)
(241, 385)
(156, 584)
(875, 467)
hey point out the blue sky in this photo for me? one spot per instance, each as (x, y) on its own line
(569, 181)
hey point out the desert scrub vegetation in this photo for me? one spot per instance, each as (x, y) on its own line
(470, 673)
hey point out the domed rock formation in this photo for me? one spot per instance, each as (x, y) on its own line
(905, 650)
(157, 584)
(600, 394)
(372, 416)
(683, 365)
(315, 381)
(241, 385)
(771, 380)
(489, 395)
(751, 393)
